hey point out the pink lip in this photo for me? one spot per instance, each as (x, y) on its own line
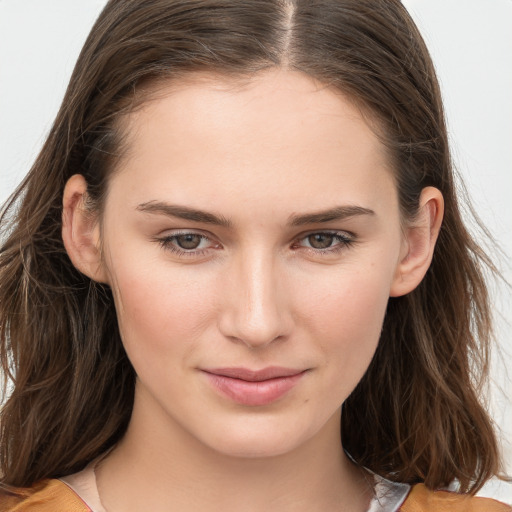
(254, 387)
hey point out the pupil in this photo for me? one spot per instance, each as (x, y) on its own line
(188, 241)
(321, 240)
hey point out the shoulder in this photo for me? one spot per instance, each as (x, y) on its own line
(46, 496)
(421, 499)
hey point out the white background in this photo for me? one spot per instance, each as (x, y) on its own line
(471, 44)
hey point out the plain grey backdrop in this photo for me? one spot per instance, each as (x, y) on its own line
(471, 44)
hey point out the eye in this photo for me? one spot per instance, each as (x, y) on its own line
(187, 243)
(326, 242)
(321, 240)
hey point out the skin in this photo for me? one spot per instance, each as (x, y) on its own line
(259, 290)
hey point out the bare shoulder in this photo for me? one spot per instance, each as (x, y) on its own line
(46, 496)
(421, 499)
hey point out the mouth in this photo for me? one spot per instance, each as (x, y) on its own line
(254, 387)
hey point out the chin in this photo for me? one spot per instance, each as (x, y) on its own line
(258, 439)
(255, 447)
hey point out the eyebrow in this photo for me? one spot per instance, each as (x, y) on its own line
(186, 213)
(332, 214)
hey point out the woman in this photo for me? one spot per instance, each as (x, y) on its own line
(241, 238)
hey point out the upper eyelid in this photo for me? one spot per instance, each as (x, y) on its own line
(167, 234)
(339, 232)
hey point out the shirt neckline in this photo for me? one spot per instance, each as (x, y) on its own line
(388, 495)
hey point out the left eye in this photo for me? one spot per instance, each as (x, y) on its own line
(322, 241)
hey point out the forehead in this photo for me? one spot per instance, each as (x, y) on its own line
(251, 139)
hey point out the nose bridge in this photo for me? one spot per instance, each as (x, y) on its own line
(255, 313)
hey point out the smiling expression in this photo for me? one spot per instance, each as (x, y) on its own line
(251, 237)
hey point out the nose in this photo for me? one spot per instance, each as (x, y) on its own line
(255, 310)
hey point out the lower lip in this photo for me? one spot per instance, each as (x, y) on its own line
(254, 393)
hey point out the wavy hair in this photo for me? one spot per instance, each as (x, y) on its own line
(416, 416)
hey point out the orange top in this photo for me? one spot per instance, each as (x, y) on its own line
(56, 496)
(45, 496)
(421, 499)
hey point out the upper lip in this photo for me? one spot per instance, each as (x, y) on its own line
(271, 372)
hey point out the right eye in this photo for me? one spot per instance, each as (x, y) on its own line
(187, 243)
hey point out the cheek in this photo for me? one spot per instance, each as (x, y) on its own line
(346, 320)
(347, 301)
(160, 313)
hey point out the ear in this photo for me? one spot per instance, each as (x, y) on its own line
(81, 232)
(419, 242)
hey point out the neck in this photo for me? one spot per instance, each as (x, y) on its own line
(159, 466)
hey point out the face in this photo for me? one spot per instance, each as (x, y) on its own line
(251, 237)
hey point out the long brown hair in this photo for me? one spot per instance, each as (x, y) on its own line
(416, 415)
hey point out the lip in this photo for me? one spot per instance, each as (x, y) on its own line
(254, 387)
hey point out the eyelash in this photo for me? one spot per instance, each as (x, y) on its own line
(344, 240)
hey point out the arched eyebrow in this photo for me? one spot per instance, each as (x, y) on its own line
(192, 214)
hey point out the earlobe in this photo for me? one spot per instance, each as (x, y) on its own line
(419, 243)
(80, 231)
